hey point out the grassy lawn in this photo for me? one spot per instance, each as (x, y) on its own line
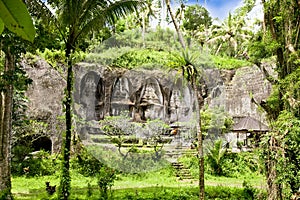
(148, 185)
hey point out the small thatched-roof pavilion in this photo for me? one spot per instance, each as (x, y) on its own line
(246, 132)
(249, 124)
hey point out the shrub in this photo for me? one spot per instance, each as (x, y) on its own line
(216, 157)
(249, 191)
(106, 178)
(86, 164)
(243, 163)
(231, 164)
(40, 163)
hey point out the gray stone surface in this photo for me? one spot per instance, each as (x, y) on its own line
(145, 94)
(45, 98)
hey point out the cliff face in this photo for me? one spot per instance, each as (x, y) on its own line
(45, 98)
(144, 94)
(233, 89)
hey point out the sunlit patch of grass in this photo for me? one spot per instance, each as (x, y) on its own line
(229, 63)
(255, 180)
(147, 185)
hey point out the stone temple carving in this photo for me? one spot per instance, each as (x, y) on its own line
(120, 97)
(144, 97)
(88, 88)
(91, 97)
(180, 102)
(151, 101)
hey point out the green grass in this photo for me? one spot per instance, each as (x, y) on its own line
(161, 184)
(255, 180)
(229, 63)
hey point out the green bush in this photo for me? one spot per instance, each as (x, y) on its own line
(106, 177)
(39, 164)
(216, 157)
(146, 58)
(237, 164)
(18, 162)
(231, 165)
(86, 164)
(191, 162)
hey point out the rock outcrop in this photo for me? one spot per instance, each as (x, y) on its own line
(45, 98)
(145, 94)
(233, 90)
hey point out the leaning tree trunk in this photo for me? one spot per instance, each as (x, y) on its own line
(180, 37)
(200, 141)
(6, 99)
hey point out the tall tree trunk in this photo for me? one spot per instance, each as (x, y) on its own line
(177, 28)
(65, 183)
(200, 142)
(278, 33)
(6, 99)
(143, 29)
(274, 188)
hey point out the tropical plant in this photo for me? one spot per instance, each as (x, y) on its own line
(148, 12)
(175, 23)
(281, 27)
(15, 17)
(75, 20)
(196, 22)
(215, 122)
(216, 156)
(233, 32)
(106, 178)
(187, 64)
(229, 33)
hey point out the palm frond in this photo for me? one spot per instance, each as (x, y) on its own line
(38, 9)
(119, 9)
(107, 13)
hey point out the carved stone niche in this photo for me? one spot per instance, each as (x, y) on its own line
(91, 97)
(120, 96)
(150, 104)
(181, 101)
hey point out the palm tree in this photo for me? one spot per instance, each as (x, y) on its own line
(144, 15)
(75, 19)
(216, 155)
(176, 25)
(231, 32)
(187, 63)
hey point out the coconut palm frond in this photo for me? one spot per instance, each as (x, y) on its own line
(39, 9)
(98, 14)
(120, 8)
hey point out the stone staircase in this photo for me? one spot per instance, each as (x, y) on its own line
(181, 171)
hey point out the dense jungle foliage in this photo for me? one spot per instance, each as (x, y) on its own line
(65, 32)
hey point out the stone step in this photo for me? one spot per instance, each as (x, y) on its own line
(181, 171)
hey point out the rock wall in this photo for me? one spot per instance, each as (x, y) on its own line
(233, 89)
(145, 94)
(45, 98)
